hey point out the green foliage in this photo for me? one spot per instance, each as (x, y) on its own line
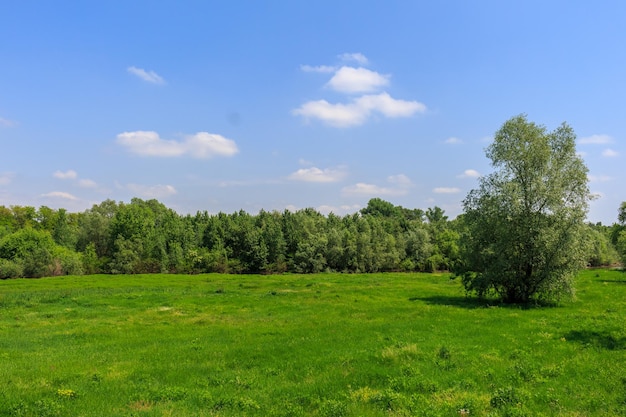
(600, 251)
(621, 245)
(144, 236)
(7, 221)
(33, 253)
(33, 249)
(621, 216)
(69, 262)
(11, 269)
(524, 225)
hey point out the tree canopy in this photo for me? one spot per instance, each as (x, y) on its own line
(526, 219)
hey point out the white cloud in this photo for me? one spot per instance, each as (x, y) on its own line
(59, 195)
(373, 190)
(338, 210)
(446, 190)
(6, 178)
(610, 153)
(148, 76)
(595, 140)
(357, 80)
(469, 173)
(151, 191)
(351, 80)
(314, 174)
(453, 141)
(338, 115)
(389, 106)
(200, 145)
(70, 174)
(356, 57)
(67, 175)
(86, 183)
(247, 183)
(599, 178)
(357, 112)
(318, 68)
(7, 123)
(400, 180)
(400, 185)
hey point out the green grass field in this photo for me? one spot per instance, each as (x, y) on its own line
(318, 345)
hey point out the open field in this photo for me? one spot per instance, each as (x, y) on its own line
(320, 345)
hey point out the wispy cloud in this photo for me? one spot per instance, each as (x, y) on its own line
(6, 178)
(318, 68)
(400, 180)
(357, 80)
(469, 173)
(446, 190)
(7, 123)
(248, 183)
(599, 178)
(148, 76)
(87, 183)
(354, 57)
(453, 141)
(362, 188)
(151, 191)
(400, 185)
(70, 174)
(67, 175)
(595, 140)
(200, 145)
(358, 110)
(338, 210)
(315, 174)
(60, 195)
(610, 153)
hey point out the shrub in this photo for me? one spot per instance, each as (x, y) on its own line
(10, 269)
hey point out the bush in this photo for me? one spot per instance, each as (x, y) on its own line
(70, 262)
(10, 269)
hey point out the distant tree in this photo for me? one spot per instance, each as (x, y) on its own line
(621, 246)
(94, 228)
(271, 234)
(525, 222)
(380, 207)
(309, 256)
(619, 232)
(600, 251)
(621, 216)
(7, 221)
(33, 253)
(24, 216)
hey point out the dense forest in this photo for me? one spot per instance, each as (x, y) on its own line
(147, 237)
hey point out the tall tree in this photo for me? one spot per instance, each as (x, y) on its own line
(619, 232)
(621, 215)
(525, 220)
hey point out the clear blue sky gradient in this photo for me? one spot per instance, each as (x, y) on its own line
(229, 105)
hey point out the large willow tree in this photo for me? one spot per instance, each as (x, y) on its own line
(525, 220)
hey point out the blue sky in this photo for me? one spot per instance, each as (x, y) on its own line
(229, 105)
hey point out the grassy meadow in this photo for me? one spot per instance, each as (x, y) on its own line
(306, 345)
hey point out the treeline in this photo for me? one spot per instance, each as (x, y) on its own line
(147, 237)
